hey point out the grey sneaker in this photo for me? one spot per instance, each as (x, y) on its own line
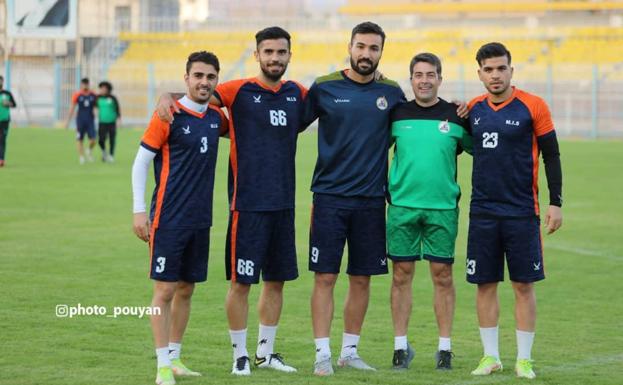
(354, 362)
(402, 358)
(324, 367)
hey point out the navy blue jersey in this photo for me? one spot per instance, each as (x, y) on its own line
(86, 102)
(353, 134)
(263, 128)
(184, 167)
(506, 154)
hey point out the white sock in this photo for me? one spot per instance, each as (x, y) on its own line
(239, 343)
(266, 340)
(323, 351)
(489, 338)
(524, 344)
(444, 344)
(349, 345)
(175, 350)
(163, 357)
(400, 343)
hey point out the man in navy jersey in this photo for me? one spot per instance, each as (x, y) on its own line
(85, 99)
(178, 229)
(349, 189)
(265, 114)
(510, 127)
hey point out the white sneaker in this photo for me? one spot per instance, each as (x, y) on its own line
(242, 366)
(354, 362)
(111, 159)
(273, 361)
(81, 160)
(89, 155)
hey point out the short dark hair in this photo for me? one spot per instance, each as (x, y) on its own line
(493, 49)
(368, 27)
(426, 57)
(84, 81)
(271, 33)
(106, 84)
(203, 57)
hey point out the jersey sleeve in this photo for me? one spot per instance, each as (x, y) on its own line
(11, 99)
(541, 118)
(74, 97)
(475, 100)
(156, 135)
(226, 92)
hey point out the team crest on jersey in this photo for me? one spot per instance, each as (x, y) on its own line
(257, 99)
(381, 103)
(444, 127)
(186, 130)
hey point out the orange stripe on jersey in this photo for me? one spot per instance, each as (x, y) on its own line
(535, 174)
(541, 117)
(164, 176)
(157, 133)
(234, 237)
(152, 234)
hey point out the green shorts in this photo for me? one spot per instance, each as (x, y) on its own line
(413, 234)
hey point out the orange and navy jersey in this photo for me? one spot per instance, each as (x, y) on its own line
(86, 102)
(263, 128)
(184, 167)
(506, 154)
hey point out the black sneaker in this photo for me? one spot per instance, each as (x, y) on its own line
(403, 357)
(444, 359)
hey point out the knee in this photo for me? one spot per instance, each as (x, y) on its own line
(164, 292)
(359, 282)
(402, 274)
(325, 281)
(185, 290)
(239, 289)
(443, 278)
(523, 290)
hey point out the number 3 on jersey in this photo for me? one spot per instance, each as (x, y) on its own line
(489, 139)
(204, 145)
(278, 118)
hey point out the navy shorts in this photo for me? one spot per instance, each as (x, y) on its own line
(261, 241)
(362, 225)
(490, 239)
(179, 254)
(85, 127)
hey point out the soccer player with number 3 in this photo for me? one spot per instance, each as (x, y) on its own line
(178, 230)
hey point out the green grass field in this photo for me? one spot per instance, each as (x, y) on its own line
(65, 238)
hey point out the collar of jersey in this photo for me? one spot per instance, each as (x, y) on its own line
(505, 103)
(257, 81)
(192, 107)
(344, 74)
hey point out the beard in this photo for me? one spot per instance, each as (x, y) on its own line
(274, 76)
(363, 72)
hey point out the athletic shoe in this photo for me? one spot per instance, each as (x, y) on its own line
(354, 362)
(89, 156)
(444, 359)
(273, 361)
(487, 365)
(81, 159)
(111, 159)
(324, 367)
(403, 357)
(179, 369)
(165, 376)
(523, 369)
(242, 366)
